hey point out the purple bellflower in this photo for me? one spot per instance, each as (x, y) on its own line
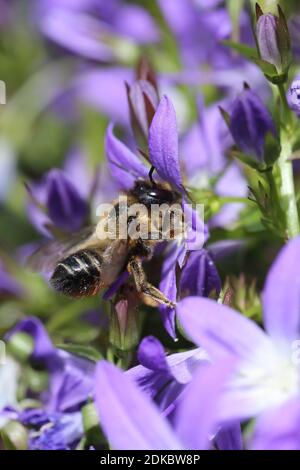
(268, 373)
(9, 287)
(250, 122)
(195, 23)
(64, 206)
(293, 95)
(70, 376)
(204, 148)
(87, 27)
(124, 409)
(48, 431)
(165, 378)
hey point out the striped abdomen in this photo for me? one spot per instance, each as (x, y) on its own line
(79, 274)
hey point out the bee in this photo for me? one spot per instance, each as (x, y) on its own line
(83, 263)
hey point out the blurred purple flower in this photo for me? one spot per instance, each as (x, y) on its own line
(70, 376)
(86, 27)
(62, 432)
(294, 29)
(9, 287)
(164, 379)
(293, 95)
(203, 149)
(49, 431)
(270, 435)
(250, 122)
(124, 410)
(104, 90)
(267, 374)
(65, 208)
(197, 23)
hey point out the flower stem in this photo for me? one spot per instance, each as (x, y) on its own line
(287, 189)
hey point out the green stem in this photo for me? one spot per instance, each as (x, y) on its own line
(287, 189)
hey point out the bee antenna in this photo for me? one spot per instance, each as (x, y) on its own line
(151, 171)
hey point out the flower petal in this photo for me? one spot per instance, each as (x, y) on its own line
(220, 330)
(124, 165)
(199, 404)
(151, 354)
(163, 143)
(67, 209)
(230, 438)
(279, 429)
(43, 347)
(129, 420)
(199, 276)
(281, 296)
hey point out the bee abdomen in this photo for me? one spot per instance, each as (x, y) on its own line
(79, 274)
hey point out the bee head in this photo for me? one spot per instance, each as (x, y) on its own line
(146, 193)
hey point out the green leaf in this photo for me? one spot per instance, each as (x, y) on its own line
(266, 67)
(248, 52)
(225, 116)
(246, 159)
(88, 352)
(91, 426)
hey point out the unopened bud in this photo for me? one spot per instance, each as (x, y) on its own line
(124, 320)
(273, 40)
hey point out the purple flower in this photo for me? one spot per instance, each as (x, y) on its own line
(70, 376)
(163, 378)
(200, 276)
(267, 374)
(123, 410)
(64, 207)
(104, 90)
(203, 149)
(294, 28)
(9, 287)
(250, 122)
(163, 144)
(62, 432)
(279, 429)
(195, 24)
(85, 27)
(49, 431)
(293, 96)
(124, 165)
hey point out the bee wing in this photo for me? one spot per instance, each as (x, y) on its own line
(45, 258)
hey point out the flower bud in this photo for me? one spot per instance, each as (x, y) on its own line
(143, 100)
(250, 122)
(273, 40)
(124, 320)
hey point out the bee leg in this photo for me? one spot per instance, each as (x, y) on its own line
(153, 295)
